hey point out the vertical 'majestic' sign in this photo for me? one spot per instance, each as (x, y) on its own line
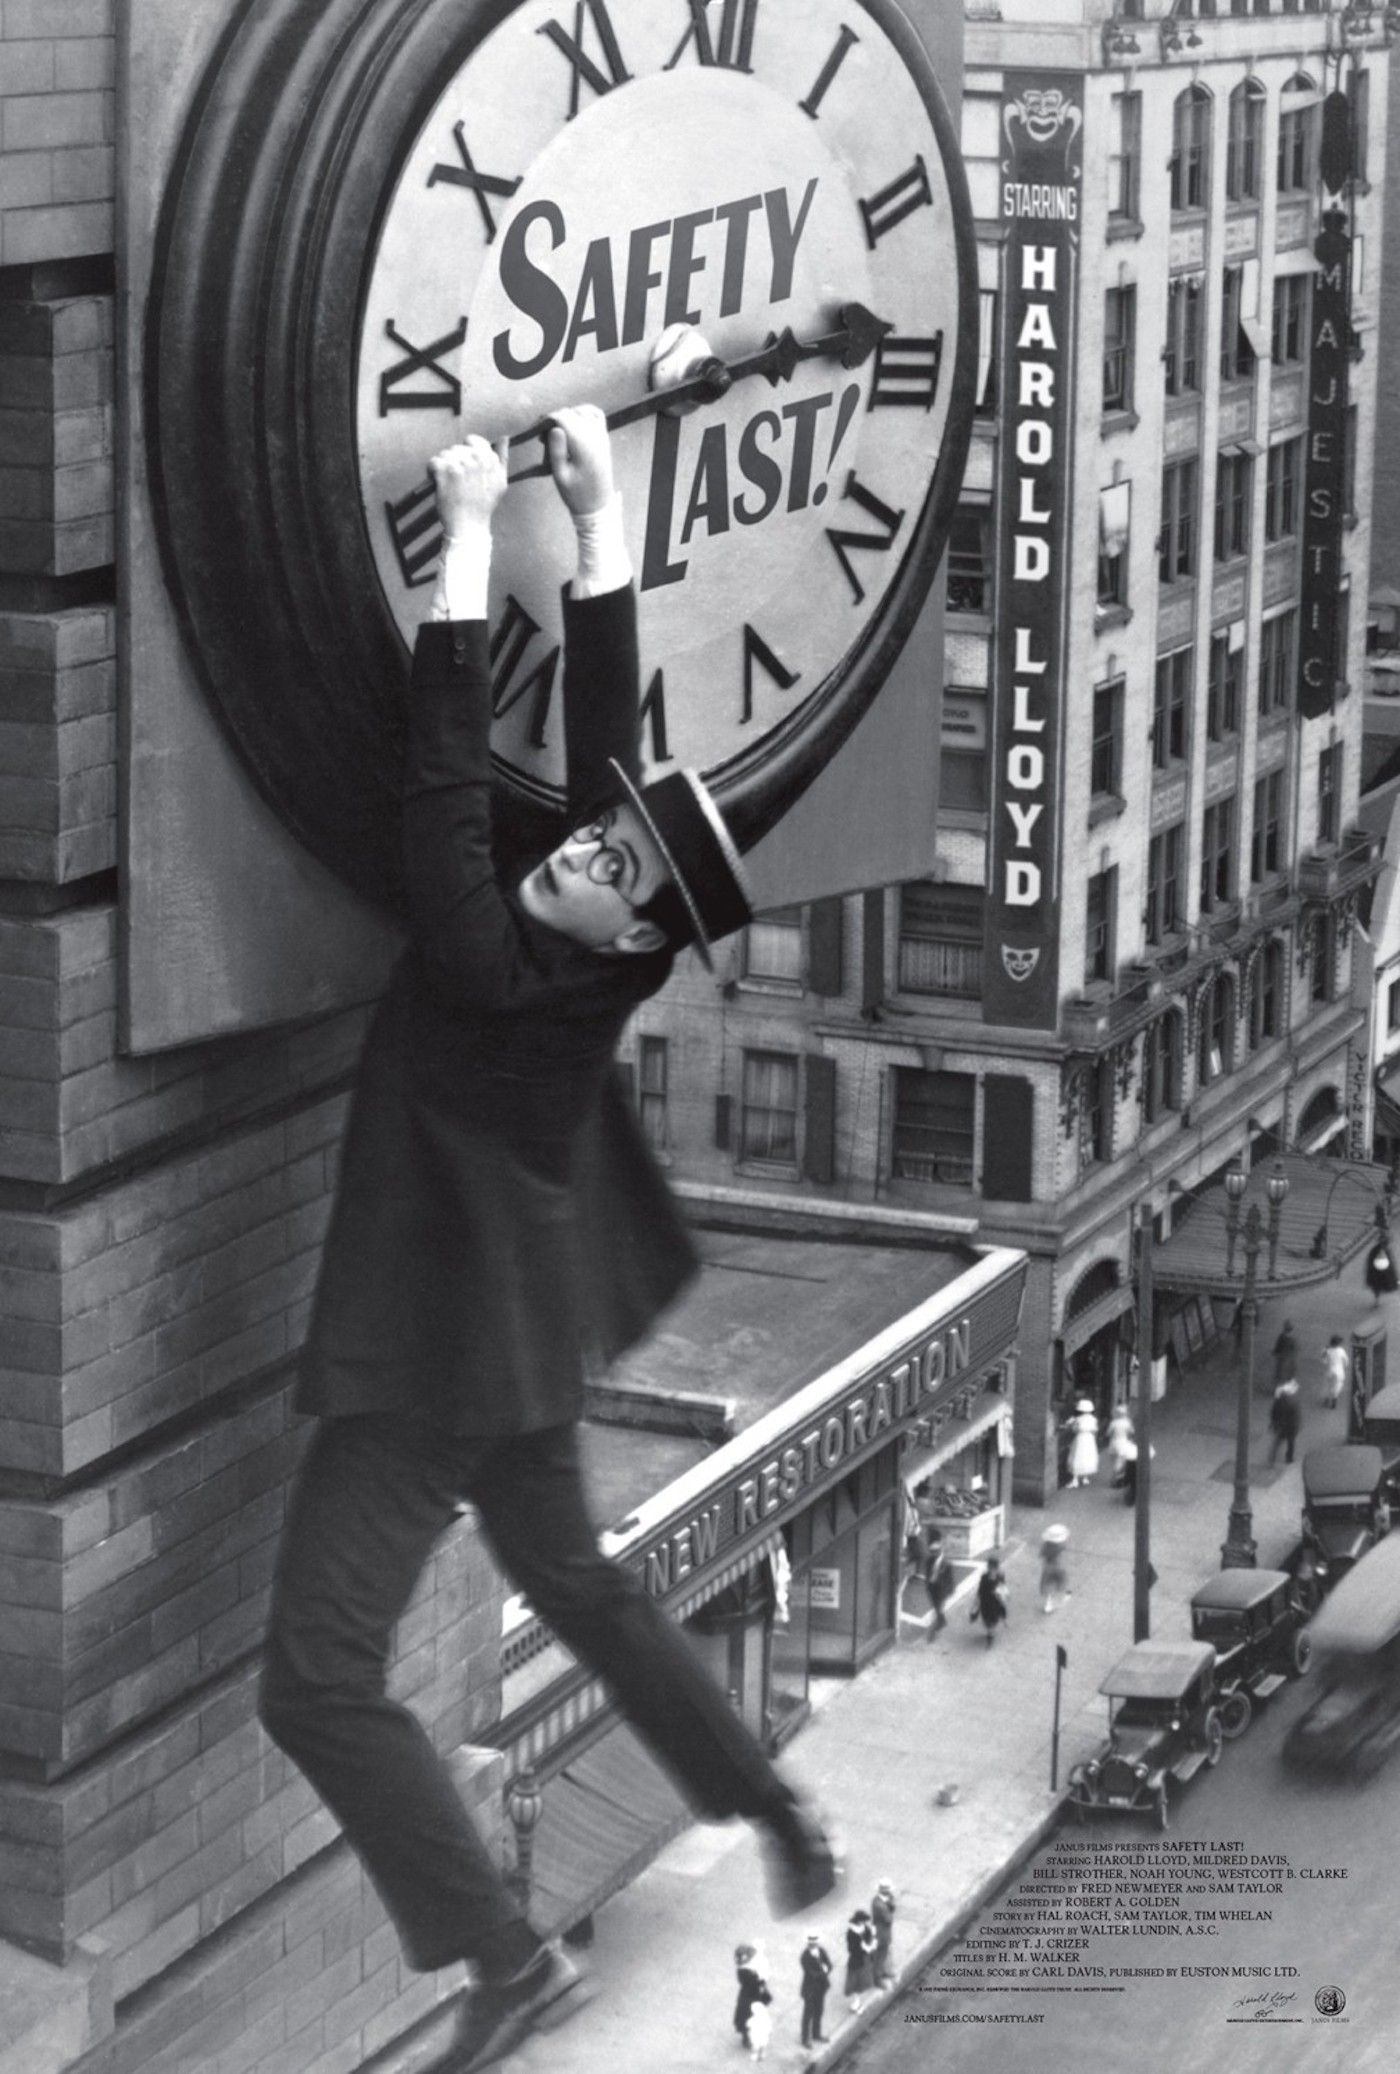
(1042, 121)
(1324, 479)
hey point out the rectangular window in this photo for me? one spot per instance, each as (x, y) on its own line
(1289, 337)
(1115, 519)
(962, 767)
(1098, 925)
(986, 352)
(768, 1112)
(1281, 495)
(1105, 751)
(1236, 353)
(652, 1067)
(1322, 946)
(1232, 484)
(1359, 95)
(1176, 547)
(970, 559)
(940, 939)
(1295, 134)
(1278, 640)
(1119, 327)
(773, 946)
(1161, 1067)
(1170, 704)
(1164, 855)
(1329, 788)
(1182, 359)
(1125, 156)
(1226, 682)
(1392, 1006)
(933, 1126)
(1266, 836)
(1217, 854)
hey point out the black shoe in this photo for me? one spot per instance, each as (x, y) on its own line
(499, 2015)
(803, 1864)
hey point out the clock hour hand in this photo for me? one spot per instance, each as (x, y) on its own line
(853, 338)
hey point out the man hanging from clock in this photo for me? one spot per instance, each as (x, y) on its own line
(500, 1229)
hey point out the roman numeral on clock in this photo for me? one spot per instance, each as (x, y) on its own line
(906, 371)
(584, 70)
(756, 650)
(893, 203)
(510, 642)
(880, 543)
(481, 184)
(828, 72)
(653, 715)
(734, 48)
(415, 533)
(421, 360)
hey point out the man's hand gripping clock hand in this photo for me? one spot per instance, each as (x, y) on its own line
(580, 460)
(470, 481)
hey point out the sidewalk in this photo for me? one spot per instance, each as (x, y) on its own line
(880, 1747)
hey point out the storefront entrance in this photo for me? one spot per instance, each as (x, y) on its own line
(844, 1568)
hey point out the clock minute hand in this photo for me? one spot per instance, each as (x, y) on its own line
(854, 339)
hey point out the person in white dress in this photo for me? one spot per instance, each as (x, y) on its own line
(1084, 1448)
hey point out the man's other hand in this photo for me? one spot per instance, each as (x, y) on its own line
(580, 458)
(470, 481)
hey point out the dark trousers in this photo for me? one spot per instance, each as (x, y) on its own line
(374, 1495)
(812, 2007)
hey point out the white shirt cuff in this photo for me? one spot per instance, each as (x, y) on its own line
(603, 561)
(464, 573)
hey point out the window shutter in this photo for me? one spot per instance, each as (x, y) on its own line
(819, 1146)
(824, 945)
(872, 971)
(723, 1105)
(1008, 1137)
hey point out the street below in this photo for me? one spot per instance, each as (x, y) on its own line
(1245, 1979)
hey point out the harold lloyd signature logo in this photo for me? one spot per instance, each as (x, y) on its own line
(1329, 2001)
(1019, 962)
(1042, 112)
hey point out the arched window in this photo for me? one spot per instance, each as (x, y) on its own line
(1244, 150)
(1216, 1049)
(1190, 160)
(1097, 1281)
(1297, 131)
(1266, 995)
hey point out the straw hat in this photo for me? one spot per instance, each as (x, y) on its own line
(1055, 1536)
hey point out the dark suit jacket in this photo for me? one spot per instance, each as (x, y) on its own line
(500, 1227)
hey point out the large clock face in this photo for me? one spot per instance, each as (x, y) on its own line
(588, 177)
(398, 221)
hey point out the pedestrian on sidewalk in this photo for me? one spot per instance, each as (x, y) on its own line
(1120, 1433)
(1054, 1578)
(751, 1970)
(993, 1599)
(882, 1910)
(860, 1959)
(1285, 1417)
(760, 2027)
(1381, 1277)
(1286, 1355)
(1336, 1366)
(500, 1227)
(938, 1581)
(1084, 1448)
(816, 1979)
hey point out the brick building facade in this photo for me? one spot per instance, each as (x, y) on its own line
(1203, 793)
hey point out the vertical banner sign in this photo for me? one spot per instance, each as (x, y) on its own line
(1324, 489)
(1041, 124)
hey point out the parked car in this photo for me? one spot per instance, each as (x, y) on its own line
(1257, 1623)
(1354, 1723)
(1345, 1509)
(1381, 1428)
(1163, 1725)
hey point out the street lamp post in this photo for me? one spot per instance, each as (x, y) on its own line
(524, 1805)
(1239, 1551)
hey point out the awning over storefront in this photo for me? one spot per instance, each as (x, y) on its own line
(606, 1815)
(1327, 1217)
(923, 1461)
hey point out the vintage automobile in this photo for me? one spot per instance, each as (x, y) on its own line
(1354, 1723)
(1257, 1623)
(1381, 1428)
(1163, 1725)
(1345, 1509)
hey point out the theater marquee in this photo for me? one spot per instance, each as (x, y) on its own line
(1041, 125)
